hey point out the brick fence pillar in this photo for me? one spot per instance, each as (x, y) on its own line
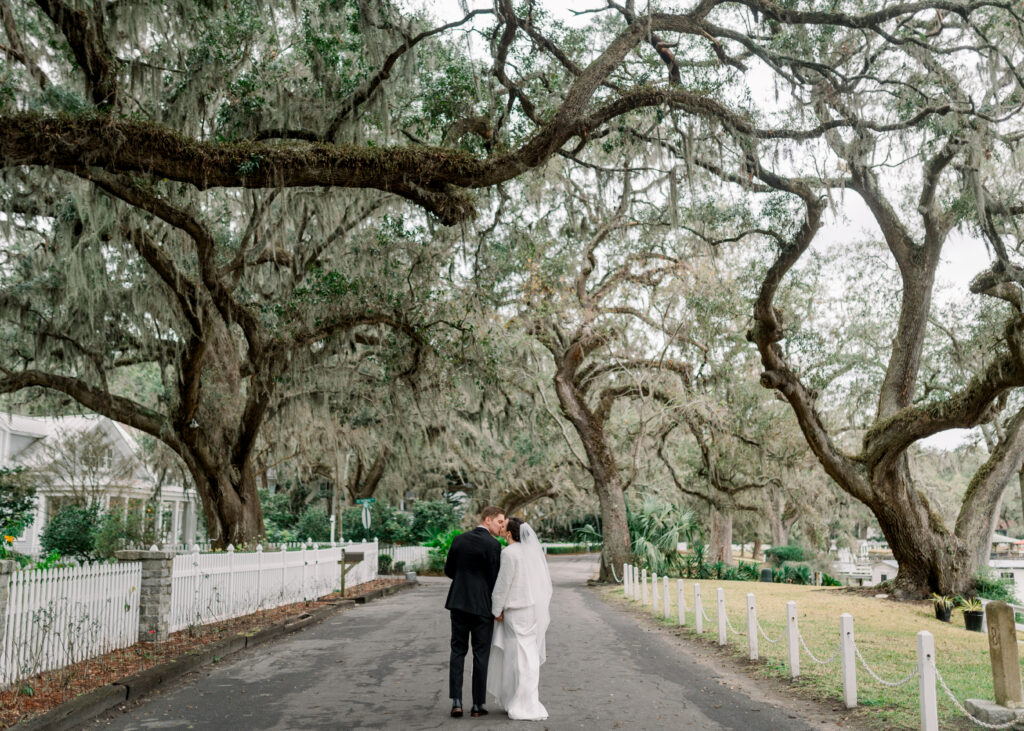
(155, 592)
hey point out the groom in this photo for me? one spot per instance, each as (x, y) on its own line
(472, 565)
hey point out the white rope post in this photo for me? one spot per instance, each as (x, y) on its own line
(793, 640)
(698, 610)
(681, 602)
(668, 604)
(926, 681)
(752, 626)
(654, 590)
(722, 636)
(849, 659)
(627, 582)
(643, 586)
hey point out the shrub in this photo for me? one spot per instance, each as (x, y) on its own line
(827, 580)
(431, 517)
(781, 554)
(313, 524)
(387, 524)
(988, 586)
(748, 571)
(278, 518)
(440, 545)
(383, 563)
(797, 574)
(72, 532)
(117, 531)
(399, 567)
(17, 501)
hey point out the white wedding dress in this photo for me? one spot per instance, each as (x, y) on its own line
(523, 592)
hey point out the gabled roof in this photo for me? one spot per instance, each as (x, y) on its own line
(41, 428)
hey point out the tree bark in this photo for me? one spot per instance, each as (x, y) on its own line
(720, 536)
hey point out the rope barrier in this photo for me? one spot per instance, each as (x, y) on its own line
(705, 614)
(728, 623)
(963, 710)
(873, 674)
(765, 634)
(815, 657)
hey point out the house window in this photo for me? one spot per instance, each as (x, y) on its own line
(885, 577)
(1008, 575)
(325, 488)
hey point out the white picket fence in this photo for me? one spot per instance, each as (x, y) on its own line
(415, 558)
(57, 617)
(210, 587)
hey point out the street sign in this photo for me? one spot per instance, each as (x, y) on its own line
(365, 500)
(366, 516)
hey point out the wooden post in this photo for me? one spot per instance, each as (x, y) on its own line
(1002, 651)
(926, 680)
(668, 604)
(681, 601)
(849, 660)
(654, 590)
(752, 626)
(698, 610)
(643, 586)
(793, 640)
(722, 636)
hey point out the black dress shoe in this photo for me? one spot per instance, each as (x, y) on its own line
(456, 711)
(476, 711)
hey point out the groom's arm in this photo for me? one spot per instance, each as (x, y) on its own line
(449, 563)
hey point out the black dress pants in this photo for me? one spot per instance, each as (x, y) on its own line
(464, 626)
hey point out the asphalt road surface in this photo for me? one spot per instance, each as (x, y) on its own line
(385, 665)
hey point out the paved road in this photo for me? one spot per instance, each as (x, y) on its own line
(384, 665)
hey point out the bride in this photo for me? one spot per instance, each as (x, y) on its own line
(519, 603)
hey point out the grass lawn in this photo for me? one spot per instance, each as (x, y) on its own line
(885, 632)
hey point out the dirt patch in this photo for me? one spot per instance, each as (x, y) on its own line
(44, 691)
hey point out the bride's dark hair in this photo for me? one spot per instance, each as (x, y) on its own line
(513, 528)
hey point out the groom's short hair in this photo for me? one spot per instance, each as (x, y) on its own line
(489, 512)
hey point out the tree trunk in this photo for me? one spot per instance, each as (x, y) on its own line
(720, 538)
(616, 544)
(231, 504)
(930, 557)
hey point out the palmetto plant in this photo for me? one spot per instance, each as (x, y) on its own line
(655, 530)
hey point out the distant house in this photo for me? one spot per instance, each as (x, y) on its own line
(90, 459)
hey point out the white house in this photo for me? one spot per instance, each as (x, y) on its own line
(93, 455)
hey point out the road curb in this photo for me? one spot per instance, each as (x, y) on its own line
(88, 706)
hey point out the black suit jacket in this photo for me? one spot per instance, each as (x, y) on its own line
(472, 565)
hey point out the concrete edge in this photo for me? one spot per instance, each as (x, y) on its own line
(86, 707)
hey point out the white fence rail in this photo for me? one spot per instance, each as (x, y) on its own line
(415, 558)
(57, 617)
(210, 587)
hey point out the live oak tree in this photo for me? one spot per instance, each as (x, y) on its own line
(178, 177)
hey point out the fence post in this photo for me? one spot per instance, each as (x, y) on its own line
(793, 640)
(849, 660)
(654, 590)
(229, 605)
(643, 585)
(302, 557)
(259, 576)
(698, 610)
(752, 626)
(722, 636)
(627, 581)
(681, 601)
(6, 569)
(155, 592)
(668, 604)
(926, 680)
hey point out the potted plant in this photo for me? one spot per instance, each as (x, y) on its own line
(974, 613)
(943, 606)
